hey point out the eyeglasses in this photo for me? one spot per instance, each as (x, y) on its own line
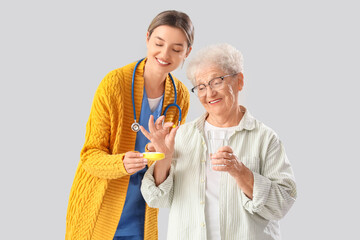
(215, 84)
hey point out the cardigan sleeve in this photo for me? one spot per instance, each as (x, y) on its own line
(184, 97)
(95, 156)
(274, 188)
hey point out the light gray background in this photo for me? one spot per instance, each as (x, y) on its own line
(301, 79)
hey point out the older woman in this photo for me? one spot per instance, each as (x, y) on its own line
(250, 185)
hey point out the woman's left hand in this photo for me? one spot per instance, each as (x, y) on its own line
(229, 163)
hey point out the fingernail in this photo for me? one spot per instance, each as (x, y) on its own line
(140, 155)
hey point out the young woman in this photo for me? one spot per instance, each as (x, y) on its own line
(105, 200)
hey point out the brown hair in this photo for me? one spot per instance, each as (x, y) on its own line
(176, 19)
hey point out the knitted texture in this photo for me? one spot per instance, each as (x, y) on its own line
(100, 185)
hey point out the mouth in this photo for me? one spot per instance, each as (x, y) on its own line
(212, 102)
(162, 62)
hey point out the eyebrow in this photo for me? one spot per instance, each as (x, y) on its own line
(178, 44)
(211, 78)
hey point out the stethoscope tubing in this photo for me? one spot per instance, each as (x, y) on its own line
(136, 126)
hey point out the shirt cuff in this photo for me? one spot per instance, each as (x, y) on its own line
(156, 196)
(261, 191)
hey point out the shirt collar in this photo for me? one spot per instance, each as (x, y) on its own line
(248, 122)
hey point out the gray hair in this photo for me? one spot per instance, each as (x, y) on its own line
(222, 55)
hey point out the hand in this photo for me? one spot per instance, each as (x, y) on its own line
(133, 162)
(228, 162)
(161, 139)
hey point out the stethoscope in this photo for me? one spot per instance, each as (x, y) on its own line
(136, 126)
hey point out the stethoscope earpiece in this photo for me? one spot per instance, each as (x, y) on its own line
(136, 126)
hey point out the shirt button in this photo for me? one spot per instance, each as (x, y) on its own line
(202, 202)
(203, 224)
(202, 160)
(202, 180)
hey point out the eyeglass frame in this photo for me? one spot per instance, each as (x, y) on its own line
(209, 82)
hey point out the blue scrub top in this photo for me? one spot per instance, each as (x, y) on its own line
(133, 214)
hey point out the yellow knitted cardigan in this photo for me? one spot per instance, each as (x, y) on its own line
(100, 185)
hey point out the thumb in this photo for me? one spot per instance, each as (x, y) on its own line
(172, 134)
(151, 147)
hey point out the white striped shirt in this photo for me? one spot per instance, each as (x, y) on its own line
(274, 192)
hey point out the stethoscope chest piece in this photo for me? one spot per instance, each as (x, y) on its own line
(135, 127)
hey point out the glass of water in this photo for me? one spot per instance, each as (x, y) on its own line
(216, 139)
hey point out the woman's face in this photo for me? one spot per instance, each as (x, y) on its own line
(221, 102)
(167, 48)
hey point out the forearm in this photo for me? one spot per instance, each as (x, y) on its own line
(245, 181)
(102, 164)
(271, 199)
(161, 170)
(157, 196)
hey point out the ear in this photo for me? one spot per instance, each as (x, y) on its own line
(147, 38)
(188, 52)
(240, 81)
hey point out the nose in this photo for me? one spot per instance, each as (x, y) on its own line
(210, 91)
(165, 53)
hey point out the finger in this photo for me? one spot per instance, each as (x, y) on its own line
(167, 126)
(145, 132)
(220, 155)
(134, 165)
(158, 122)
(225, 149)
(220, 168)
(132, 154)
(218, 162)
(223, 161)
(172, 134)
(135, 169)
(134, 160)
(152, 128)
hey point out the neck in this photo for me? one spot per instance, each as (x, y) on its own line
(154, 82)
(231, 119)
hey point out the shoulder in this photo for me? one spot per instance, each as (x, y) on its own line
(182, 92)
(116, 78)
(188, 129)
(266, 133)
(181, 88)
(187, 134)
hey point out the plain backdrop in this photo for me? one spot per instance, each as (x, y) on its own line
(301, 79)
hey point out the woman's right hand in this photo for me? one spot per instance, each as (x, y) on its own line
(134, 161)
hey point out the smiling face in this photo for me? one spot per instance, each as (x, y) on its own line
(167, 48)
(222, 103)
